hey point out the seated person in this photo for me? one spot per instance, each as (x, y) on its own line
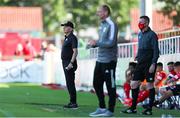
(129, 75)
(171, 72)
(170, 75)
(160, 77)
(143, 95)
(174, 88)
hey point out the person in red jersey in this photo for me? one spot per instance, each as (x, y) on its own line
(143, 95)
(29, 51)
(129, 75)
(171, 71)
(160, 77)
(174, 88)
(170, 75)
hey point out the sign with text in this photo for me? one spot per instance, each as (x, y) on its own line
(20, 71)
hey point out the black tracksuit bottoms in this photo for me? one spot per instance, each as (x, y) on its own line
(105, 72)
(70, 78)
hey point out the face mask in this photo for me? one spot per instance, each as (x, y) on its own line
(141, 26)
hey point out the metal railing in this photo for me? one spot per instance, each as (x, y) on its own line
(127, 50)
(167, 46)
(170, 45)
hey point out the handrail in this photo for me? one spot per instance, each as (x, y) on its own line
(169, 45)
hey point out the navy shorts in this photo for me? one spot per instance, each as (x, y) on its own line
(142, 72)
(175, 89)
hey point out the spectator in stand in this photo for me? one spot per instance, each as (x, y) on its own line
(44, 46)
(28, 50)
(19, 50)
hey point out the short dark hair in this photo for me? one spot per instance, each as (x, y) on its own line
(146, 18)
(107, 8)
(177, 64)
(133, 64)
(160, 64)
(170, 63)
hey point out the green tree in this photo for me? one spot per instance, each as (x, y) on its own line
(121, 10)
(84, 11)
(172, 9)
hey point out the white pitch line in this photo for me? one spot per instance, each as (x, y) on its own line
(7, 114)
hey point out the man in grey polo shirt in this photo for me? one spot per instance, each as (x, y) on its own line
(106, 62)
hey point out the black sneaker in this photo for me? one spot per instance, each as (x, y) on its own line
(156, 103)
(171, 106)
(70, 106)
(129, 110)
(147, 112)
(145, 106)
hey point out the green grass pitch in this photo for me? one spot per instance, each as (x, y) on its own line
(28, 100)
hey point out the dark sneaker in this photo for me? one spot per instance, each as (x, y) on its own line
(156, 103)
(129, 111)
(70, 106)
(147, 112)
(145, 106)
(171, 106)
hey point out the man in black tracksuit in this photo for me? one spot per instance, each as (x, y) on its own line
(68, 56)
(147, 56)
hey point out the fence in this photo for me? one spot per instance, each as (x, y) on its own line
(169, 51)
(167, 46)
(170, 45)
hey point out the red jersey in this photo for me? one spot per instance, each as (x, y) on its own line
(29, 52)
(177, 76)
(170, 76)
(172, 72)
(174, 78)
(161, 76)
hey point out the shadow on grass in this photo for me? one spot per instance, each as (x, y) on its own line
(54, 106)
